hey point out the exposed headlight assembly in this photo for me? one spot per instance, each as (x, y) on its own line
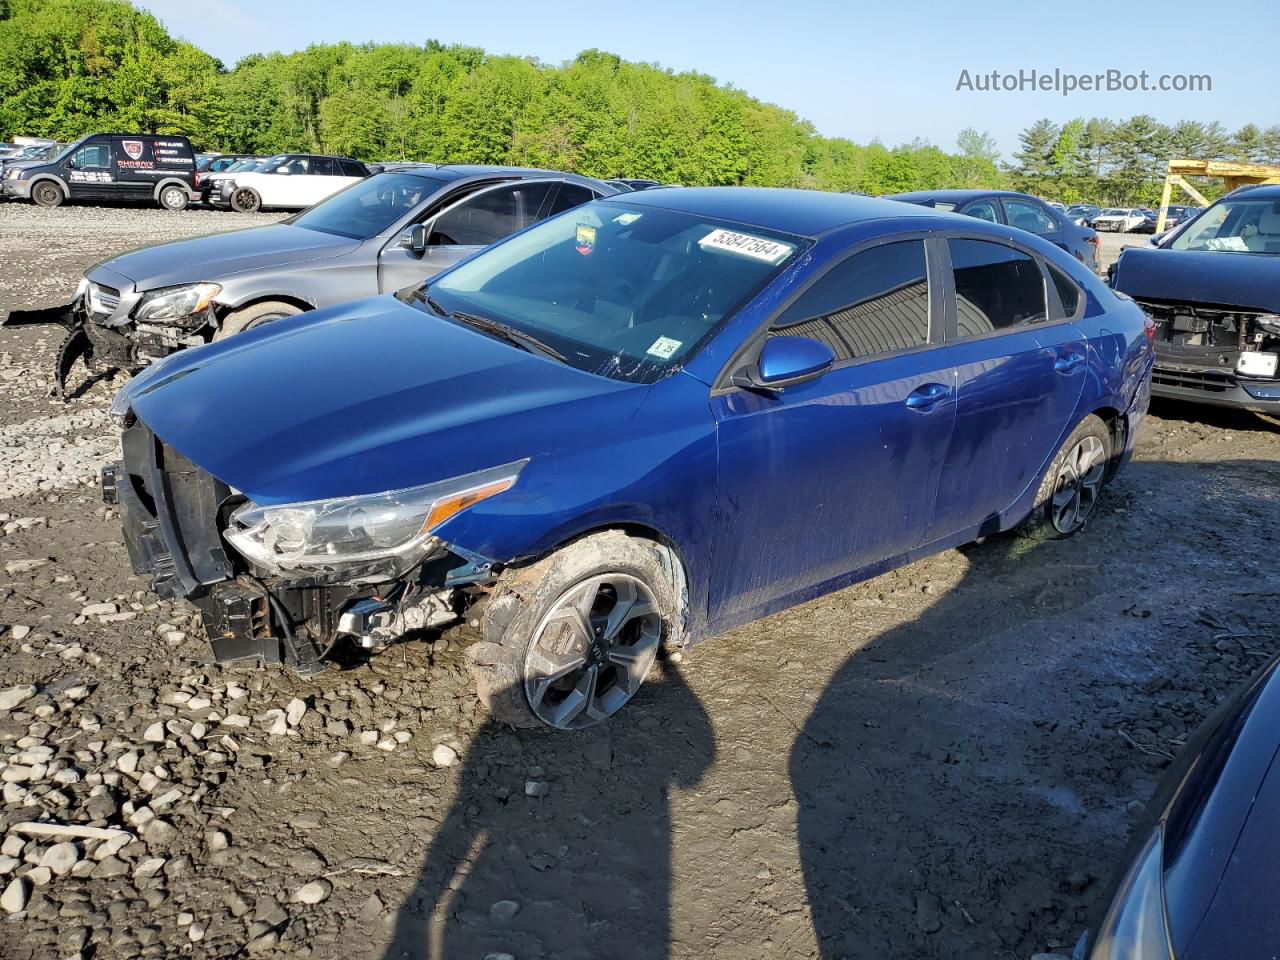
(1135, 927)
(389, 532)
(176, 303)
(1269, 322)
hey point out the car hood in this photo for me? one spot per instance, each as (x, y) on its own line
(369, 396)
(1250, 280)
(225, 254)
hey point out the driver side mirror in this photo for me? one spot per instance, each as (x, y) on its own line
(415, 239)
(785, 362)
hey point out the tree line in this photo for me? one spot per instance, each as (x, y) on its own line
(1122, 163)
(70, 67)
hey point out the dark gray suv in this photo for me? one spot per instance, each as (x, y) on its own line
(379, 235)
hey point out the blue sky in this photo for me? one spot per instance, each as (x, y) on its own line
(864, 71)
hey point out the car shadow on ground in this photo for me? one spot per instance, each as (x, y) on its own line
(1006, 694)
(558, 845)
(1220, 418)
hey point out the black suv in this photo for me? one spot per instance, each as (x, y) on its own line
(144, 167)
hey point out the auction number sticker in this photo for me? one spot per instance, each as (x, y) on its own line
(744, 244)
(584, 240)
(664, 347)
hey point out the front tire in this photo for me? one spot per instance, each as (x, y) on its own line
(1073, 483)
(48, 194)
(567, 642)
(246, 200)
(256, 315)
(174, 198)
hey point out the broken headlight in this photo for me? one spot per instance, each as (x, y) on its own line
(324, 535)
(176, 303)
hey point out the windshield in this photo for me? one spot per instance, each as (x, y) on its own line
(1115, 213)
(369, 206)
(1234, 226)
(243, 166)
(624, 292)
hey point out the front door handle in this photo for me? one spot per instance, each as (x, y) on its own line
(927, 396)
(1068, 362)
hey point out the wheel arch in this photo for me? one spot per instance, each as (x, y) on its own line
(677, 556)
(51, 178)
(1118, 426)
(293, 299)
(171, 182)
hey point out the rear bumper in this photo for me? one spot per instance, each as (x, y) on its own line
(1215, 387)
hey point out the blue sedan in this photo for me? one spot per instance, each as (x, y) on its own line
(627, 429)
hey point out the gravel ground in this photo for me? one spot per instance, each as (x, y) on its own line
(942, 762)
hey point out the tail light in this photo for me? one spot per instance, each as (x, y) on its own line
(1149, 328)
(196, 183)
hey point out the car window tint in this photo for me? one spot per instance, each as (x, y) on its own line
(997, 287)
(983, 210)
(875, 302)
(490, 215)
(1068, 292)
(93, 155)
(1027, 216)
(351, 169)
(571, 195)
(323, 167)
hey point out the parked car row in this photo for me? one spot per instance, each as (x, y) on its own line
(1016, 210)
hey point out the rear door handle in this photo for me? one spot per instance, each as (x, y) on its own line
(1068, 362)
(927, 396)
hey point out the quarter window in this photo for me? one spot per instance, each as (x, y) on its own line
(875, 302)
(997, 287)
(1068, 292)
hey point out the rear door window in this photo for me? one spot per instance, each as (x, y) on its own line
(571, 195)
(876, 302)
(1068, 293)
(351, 169)
(983, 210)
(996, 287)
(1029, 217)
(490, 215)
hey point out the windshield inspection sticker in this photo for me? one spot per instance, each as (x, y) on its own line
(664, 347)
(757, 248)
(585, 240)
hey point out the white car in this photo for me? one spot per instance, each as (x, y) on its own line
(291, 181)
(1118, 219)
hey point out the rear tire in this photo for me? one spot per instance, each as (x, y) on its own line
(174, 198)
(567, 642)
(246, 200)
(256, 315)
(48, 194)
(1073, 483)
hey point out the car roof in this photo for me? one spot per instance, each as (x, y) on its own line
(802, 212)
(958, 196)
(460, 171)
(1263, 191)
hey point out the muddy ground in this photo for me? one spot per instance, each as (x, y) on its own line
(945, 761)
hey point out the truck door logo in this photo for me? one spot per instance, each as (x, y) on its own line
(133, 148)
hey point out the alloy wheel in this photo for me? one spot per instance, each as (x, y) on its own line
(592, 651)
(1079, 481)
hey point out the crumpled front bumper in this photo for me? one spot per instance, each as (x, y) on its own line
(16, 189)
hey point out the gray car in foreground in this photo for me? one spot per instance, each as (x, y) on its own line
(379, 235)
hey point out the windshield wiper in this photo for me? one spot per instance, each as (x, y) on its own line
(496, 328)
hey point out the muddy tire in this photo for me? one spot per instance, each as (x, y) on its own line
(246, 200)
(1073, 483)
(254, 316)
(173, 197)
(48, 194)
(567, 642)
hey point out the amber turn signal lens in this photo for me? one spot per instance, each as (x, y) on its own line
(442, 510)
